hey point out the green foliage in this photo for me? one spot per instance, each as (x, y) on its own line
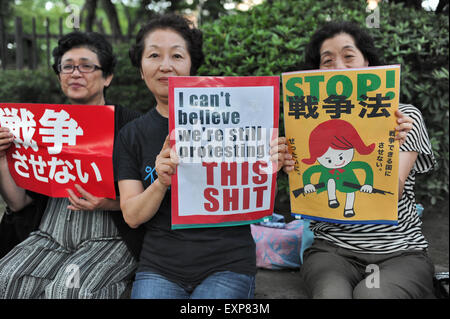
(26, 86)
(127, 87)
(432, 91)
(42, 86)
(270, 39)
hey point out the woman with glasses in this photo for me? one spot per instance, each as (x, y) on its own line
(82, 247)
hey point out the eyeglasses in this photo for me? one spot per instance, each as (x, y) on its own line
(83, 68)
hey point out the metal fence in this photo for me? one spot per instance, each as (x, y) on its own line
(20, 50)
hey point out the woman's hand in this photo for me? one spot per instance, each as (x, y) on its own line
(89, 201)
(279, 155)
(166, 163)
(278, 148)
(405, 124)
(6, 138)
(139, 205)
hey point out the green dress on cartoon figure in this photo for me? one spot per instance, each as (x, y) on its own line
(333, 144)
(339, 175)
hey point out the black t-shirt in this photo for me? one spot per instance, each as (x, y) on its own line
(185, 256)
(133, 238)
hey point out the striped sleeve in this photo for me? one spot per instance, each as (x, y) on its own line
(417, 140)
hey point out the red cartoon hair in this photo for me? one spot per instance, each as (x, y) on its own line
(337, 134)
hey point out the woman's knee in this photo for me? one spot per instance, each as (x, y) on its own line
(226, 285)
(409, 275)
(151, 285)
(393, 289)
(72, 282)
(330, 286)
(329, 276)
(383, 291)
(16, 284)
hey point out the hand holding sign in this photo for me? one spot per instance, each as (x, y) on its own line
(89, 201)
(279, 153)
(166, 163)
(405, 124)
(6, 138)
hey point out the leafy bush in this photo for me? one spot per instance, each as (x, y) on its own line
(270, 39)
(26, 86)
(42, 85)
(127, 87)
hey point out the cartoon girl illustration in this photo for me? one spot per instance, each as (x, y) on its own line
(333, 144)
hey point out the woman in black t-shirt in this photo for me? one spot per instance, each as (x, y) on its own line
(216, 262)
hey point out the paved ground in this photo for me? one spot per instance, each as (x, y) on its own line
(287, 284)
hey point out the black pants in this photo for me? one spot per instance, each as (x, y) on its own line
(17, 226)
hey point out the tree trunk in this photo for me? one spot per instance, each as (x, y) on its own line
(91, 7)
(113, 18)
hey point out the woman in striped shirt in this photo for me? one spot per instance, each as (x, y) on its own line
(363, 260)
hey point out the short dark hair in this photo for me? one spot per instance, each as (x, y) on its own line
(179, 24)
(93, 41)
(363, 41)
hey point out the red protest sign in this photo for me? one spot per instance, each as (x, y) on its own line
(57, 146)
(221, 128)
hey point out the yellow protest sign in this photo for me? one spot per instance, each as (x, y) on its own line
(340, 126)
